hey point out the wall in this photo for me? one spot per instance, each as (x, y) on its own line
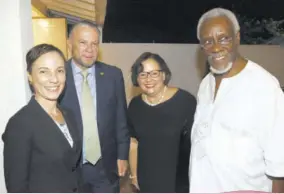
(36, 13)
(51, 31)
(186, 61)
(15, 38)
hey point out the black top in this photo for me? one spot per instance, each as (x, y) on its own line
(158, 130)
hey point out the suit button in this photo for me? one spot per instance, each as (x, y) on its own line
(74, 190)
(73, 169)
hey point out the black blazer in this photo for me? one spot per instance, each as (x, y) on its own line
(111, 114)
(37, 156)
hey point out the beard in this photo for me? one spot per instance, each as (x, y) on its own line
(224, 68)
(221, 71)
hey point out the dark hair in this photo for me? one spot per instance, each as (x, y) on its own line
(85, 23)
(39, 50)
(36, 52)
(137, 67)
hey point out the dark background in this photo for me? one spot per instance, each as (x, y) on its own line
(175, 21)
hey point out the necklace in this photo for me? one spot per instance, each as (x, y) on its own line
(162, 95)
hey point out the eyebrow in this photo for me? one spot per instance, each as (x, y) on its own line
(150, 71)
(82, 40)
(217, 35)
(46, 68)
(86, 40)
(42, 68)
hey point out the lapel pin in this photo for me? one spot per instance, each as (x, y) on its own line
(102, 73)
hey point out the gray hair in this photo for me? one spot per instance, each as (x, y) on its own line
(85, 23)
(218, 12)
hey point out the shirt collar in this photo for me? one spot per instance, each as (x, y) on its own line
(76, 70)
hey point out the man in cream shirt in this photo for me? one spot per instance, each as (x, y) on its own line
(238, 132)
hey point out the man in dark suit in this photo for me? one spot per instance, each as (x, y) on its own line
(96, 94)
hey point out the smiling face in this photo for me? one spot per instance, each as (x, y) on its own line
(219, 43)
(47, 76)
(84, 46)
(151, 79)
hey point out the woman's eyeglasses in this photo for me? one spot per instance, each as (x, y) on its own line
(152, 74)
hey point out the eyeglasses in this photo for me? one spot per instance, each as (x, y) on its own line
(224, 41)
(152, 74)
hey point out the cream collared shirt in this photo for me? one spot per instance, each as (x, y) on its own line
(238, 138)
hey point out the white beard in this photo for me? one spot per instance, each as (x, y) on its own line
(220, 72)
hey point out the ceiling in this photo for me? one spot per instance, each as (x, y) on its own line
(73, 10)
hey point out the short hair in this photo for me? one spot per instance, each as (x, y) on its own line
(36, 52)
(85, 23)
(137, 67)
(39, 50)
(218, 12)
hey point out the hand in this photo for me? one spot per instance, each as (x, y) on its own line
(135, 182)
(122, 167)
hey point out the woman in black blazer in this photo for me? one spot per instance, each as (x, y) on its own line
(42, 146)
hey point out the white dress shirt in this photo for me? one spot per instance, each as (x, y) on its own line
(238, 138)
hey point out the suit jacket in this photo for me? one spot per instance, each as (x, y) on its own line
(111, 114)
(37, 156)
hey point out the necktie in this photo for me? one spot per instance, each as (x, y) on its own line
(90, 129)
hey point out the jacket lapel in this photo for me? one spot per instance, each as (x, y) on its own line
(99, 93)
(48, 123)
(72, 130)
(70, 95)
(70, 98)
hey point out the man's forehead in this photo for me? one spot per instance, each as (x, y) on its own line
(81, 29)
(220, 21)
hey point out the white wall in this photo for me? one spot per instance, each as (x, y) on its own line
(15, 39)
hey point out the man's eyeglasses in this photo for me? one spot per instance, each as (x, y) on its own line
(152, 74)
(208, 44)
